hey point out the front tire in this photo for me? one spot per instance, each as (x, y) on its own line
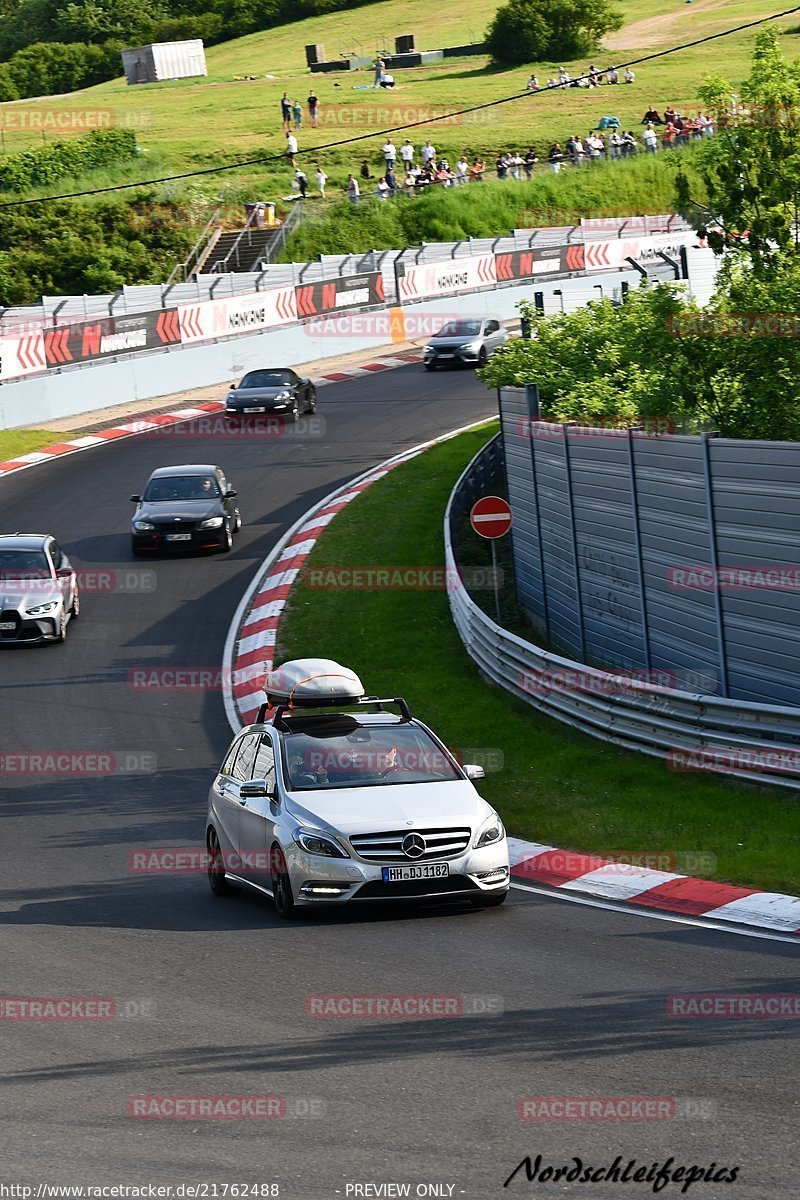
(312, 403)
(281, 885)
(482, 357)
(295, 413)
(75, 611)
(61, 635)
(216, 867)
(228, 544)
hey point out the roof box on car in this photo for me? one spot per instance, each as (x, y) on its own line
(313, 683)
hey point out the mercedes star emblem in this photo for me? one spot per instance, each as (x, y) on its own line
(413, 845)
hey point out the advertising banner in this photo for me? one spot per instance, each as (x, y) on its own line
(237, 314)
(342, 293)
(443, 278)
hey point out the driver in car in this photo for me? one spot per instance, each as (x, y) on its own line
(301, 775)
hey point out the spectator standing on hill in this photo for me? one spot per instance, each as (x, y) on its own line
(382, 189)
(462, 171)
(668, 136)
(297, 113)
(555, 157)
(291, 148)
(302, 182)
(389, 153)
(407, 153)
(615, 144)
(286, 112)
(313, 108)
(322, 179)
(502, 166)
(476, 171)
(428, 154)
(391, 179)
(353, 190)
(650, 139)
(669, 115)
(529, 161)
(380, 67)
(629, 147)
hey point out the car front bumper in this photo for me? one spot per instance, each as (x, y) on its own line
(450, 357)
(319, 880)
(199, 539)
(28, 629)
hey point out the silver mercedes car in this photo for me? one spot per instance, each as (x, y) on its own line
(331, 798)
(39, 594)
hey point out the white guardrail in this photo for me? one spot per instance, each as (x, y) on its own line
(691, 732)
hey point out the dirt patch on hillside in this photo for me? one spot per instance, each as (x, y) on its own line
(652, 31)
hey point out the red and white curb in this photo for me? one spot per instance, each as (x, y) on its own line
(249, 655)
(569, 871)
(158, 421)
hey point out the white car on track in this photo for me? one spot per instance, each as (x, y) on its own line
(336, 799)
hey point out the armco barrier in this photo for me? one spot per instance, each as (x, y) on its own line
(756, 742)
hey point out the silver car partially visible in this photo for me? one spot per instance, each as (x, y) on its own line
(468, 341)
(39, 594)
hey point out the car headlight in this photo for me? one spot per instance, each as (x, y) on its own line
(430, 349)
(318, 843)
(142, 526)
(211, 523)
(471, 346)
(41, 609)
(490, 831)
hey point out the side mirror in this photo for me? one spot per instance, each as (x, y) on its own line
(472, 771)
(231, 494)
(232, 388)
(253, 789)
(64, 573)
(135, 499)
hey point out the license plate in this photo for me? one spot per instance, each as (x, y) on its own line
(7, 625)
(445, 355)
(179, 537)
(259, 409)
(420, 871)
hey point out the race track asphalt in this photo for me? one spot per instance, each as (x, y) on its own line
(216, 989)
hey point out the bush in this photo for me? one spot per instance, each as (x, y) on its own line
(522, 32)
(45, 164)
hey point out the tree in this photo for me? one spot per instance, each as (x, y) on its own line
(522, 32)
(751, 169)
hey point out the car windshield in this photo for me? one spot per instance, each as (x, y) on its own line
(268, 379)
(460, 329)
(181, 487)
(341, 753)
(24, 564)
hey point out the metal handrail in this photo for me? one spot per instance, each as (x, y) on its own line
(183, 268)
(627, 712)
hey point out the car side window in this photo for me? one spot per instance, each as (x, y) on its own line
(264, 767)
(492, 327)
(243, 766)
(227, 766)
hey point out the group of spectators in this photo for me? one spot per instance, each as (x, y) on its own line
(406, 171)
(591, 78)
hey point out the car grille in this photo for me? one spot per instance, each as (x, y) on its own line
(450, 885)
(175, 526)
(10, 615)
(388, 847)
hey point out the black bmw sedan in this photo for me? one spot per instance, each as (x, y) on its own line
(280, 391)
(189, 507)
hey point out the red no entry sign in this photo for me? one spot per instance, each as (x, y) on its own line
(491, 517)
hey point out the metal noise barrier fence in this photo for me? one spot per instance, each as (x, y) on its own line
(759, 743)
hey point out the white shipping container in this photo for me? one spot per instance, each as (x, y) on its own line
(164, 60)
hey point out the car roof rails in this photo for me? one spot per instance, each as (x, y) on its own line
(282, 710)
